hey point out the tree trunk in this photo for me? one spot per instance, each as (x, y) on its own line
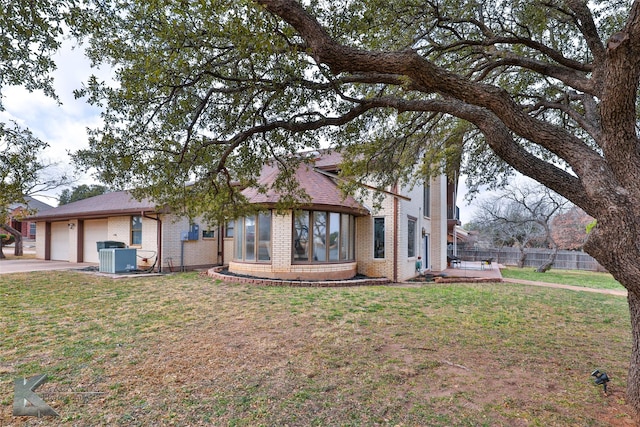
(2, 250)
(18, 247)
(550, 261)
(522, 258)
(613, 243)
(633, 380)
(18, 236)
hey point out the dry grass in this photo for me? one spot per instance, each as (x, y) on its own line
(183, 350)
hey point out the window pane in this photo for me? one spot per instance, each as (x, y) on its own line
(264, 237)
(345, 237)
(228, 231)
(427, 199)
(301, 236)
(136, 230)
(239, 238)
(378, 237)
(411, 238)
(319, 236)
(334, 236)
(352, 237)
(250, 238)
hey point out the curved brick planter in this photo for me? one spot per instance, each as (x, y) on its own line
(215, 273)
(466, 280)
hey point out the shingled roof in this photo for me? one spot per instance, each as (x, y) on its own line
(109, 204)
(322, 190)
(30, 203)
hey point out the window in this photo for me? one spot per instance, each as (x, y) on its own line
(378, 238)
(136, 230)
(228, 230)
(253, 238)
(331, 238)
(334, 236)
(411, 238)
(250, 238)
(347, 232)
(301, 236)
(319, 236)
(426, 199)
(32, 230)
(208, 234)
(264, 237)
(239, 238)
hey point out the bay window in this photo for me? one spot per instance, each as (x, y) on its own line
(320, 236)
(253, 237)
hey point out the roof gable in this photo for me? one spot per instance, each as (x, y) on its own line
(322, 190)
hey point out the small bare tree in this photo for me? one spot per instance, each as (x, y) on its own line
(521, 216)
(22, 173)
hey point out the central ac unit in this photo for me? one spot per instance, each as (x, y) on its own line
(117, 260)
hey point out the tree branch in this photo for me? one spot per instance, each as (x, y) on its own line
(425, 75)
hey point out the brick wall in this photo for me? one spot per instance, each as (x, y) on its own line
(191, 254)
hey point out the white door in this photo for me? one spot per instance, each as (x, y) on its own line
(95, 230)
(59, 241)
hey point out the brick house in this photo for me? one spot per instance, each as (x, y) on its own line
(18, 213)
(332, 237)
(71, 232)
(337, 237)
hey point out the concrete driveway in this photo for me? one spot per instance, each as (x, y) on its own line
(26, 265)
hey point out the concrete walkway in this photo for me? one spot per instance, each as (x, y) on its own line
(618, 292)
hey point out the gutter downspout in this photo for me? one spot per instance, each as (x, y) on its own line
(395, 233)
(158, 237)
(220, 248)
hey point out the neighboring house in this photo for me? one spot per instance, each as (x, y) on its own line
(20, 210)
(332, 237)
(71, 232)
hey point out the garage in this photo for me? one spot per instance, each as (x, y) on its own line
(95, 230)
(59, 241)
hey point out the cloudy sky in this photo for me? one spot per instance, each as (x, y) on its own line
(64, 126)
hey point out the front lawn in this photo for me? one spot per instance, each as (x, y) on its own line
(184, 350)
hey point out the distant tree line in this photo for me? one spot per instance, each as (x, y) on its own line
(81, 192)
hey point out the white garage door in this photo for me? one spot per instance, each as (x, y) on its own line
(95, 230)
(59, 241)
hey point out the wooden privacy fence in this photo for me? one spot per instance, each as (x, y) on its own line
(565, 260)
